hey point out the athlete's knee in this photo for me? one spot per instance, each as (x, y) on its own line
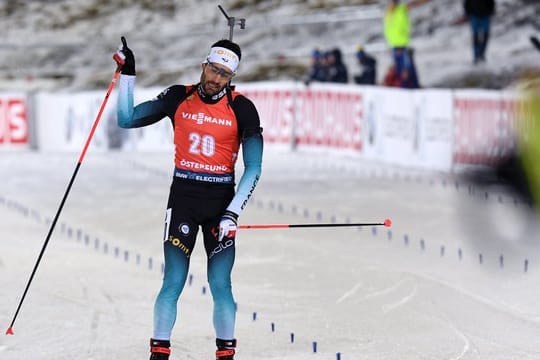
(172, 285)
(219, 285)
(170, 291)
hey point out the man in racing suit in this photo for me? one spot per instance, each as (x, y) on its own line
(210, 121)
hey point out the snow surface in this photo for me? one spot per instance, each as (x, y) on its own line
(374, 293)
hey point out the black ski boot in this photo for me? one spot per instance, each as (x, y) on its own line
(160, 349)
(225, 349)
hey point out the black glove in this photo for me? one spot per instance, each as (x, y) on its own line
(124, 57)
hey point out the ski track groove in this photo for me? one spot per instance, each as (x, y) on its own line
(466, 344)
(384, 291)
(391, 307)
(499, 306)
(349, 293)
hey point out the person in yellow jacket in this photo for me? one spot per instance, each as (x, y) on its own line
(397, 27)
(397, 32)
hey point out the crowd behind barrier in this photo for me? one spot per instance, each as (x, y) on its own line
(435, 129)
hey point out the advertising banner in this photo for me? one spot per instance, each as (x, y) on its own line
(433, 129)
(426, 128)
(483, 126)
(275, 103)
(14, 123)
(399, 128)
(330, 116)
(372, 123)
(64, 122)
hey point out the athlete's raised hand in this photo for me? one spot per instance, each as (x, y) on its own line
(124, 58)
(227, 225)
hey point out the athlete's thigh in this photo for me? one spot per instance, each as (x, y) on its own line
(210, 227)
(180, 225)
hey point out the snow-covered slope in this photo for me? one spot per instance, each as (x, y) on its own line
(68, 43)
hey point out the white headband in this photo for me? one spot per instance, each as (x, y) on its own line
(223, 56)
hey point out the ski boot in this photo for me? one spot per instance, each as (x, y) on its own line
(160, 349)
(225, 349)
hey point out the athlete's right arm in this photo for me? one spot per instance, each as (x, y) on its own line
(144, 114)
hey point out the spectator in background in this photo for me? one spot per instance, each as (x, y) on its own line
(391, 77)
(397, 29)
(317, 70)
(409, 79)
(479, 13)
(337, 71)
(368, 65)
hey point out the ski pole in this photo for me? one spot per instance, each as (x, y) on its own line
(9, 331)
(386, 222)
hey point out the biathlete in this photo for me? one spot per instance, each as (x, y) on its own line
(210, 121)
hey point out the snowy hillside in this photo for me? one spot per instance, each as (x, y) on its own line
(62, 44)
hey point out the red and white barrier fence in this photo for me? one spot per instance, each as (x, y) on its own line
(14, 124)
(485, 124)
(427, 128)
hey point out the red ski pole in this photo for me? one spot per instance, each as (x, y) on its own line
(386, 222)
(9, 331)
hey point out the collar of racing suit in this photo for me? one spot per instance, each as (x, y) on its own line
(211, 99)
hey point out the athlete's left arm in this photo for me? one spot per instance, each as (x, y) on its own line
(252, 151)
